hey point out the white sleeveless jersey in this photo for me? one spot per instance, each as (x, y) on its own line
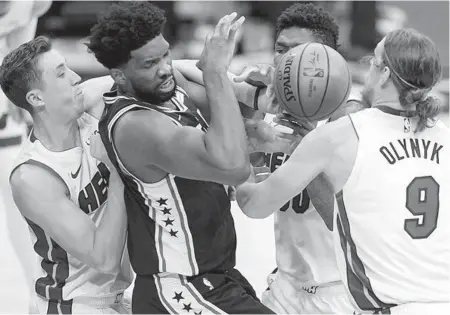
(304, 245)
(60, 276)
(392, 224)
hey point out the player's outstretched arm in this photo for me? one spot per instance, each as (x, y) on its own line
(93, 90)
(42, 198)
(307, 161)
(190, 78)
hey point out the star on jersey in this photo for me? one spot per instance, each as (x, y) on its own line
(198, 313)
(187, 307)
(178, 296)
(173, 233)
(168, 222)
(166, 210)
(162, 201)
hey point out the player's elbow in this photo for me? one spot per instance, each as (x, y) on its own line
(254, 213)
(249, 202)
(238, 174)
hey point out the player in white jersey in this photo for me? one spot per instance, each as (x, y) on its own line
(389, 167)
(61, 190)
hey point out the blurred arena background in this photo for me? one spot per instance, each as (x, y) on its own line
(362, 25)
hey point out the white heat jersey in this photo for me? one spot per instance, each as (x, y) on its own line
(58, 275)
(304, 245)
(392, 224)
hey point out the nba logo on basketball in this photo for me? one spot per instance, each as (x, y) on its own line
(313, 72)
(312, 81)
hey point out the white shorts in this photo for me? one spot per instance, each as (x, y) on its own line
(281, 298)
(115, 304)
(416, 309)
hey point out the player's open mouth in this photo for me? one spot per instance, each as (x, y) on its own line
(167, 85)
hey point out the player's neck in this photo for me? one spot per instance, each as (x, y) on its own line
(56, 136)
(390, 100)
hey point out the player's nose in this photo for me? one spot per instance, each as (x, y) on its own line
(76, 79)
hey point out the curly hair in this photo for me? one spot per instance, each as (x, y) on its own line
(18, 71)
(124, 27)
(312, 17)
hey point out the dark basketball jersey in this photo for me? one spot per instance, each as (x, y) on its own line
(176, 225)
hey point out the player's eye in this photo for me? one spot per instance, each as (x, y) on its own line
(62, 74)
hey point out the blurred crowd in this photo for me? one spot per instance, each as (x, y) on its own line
(362, 24)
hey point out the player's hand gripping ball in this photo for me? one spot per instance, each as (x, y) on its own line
(311, 81)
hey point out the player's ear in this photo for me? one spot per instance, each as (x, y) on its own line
(385, 75)
(118, 76)
(35, 98)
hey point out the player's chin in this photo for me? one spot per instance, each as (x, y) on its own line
(166, 95)
(168, 86)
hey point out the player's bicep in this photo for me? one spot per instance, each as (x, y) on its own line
(42, 198)
(178, 150)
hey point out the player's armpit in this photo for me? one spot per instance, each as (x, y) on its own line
(42, 197)
(307, 161)
(321, 194)
(182, 151)
(93, 90)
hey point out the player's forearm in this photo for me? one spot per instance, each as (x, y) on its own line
(109, 239)
(246, 94)
(18, 16)
(225, 140)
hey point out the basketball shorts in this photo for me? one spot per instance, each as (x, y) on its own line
(217, 293)
(283, 298)
(115, 304)
(413, 309)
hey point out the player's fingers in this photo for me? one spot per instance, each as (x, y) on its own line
(305, 124)
(223, 26)
(294, 126)
(232, 193)
(244, 75)
(235, 27)
(264, 70)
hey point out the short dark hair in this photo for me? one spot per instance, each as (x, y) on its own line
(124, 27)
(312, 17)
(18, 72)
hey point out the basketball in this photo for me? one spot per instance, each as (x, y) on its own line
(312, 80)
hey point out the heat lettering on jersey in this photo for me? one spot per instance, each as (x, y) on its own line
(96, 192)
(299, 203)
(411, 148)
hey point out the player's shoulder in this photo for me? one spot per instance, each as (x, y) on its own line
(147, 124)
(335, 132)
(36, 178)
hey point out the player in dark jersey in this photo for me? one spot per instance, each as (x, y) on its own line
(175, 163)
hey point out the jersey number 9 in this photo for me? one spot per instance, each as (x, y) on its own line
(422, 199)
